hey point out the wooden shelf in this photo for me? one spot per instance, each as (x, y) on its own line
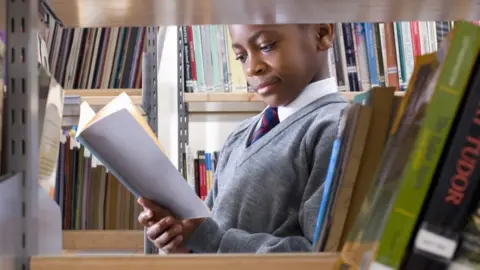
(101, 13)
(304, 261)
(102, 92)
(97, 98)
(95, 240)
(244, 96)
(100, 97)
(222, 97)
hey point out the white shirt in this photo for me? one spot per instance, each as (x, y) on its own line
(311, 93)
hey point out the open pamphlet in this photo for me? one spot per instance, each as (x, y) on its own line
(119, 136)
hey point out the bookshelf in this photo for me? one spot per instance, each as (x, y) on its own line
(103, 13)
(245, 97)
(307, 261)
(100, 97)
(94, 13)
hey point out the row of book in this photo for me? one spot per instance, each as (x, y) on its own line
(198, 170)
(415, 202)
(364, 55)
(90, 197)
(91, 58)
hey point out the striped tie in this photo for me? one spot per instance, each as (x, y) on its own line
(269, 121)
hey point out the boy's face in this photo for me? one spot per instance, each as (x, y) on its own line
(281, 60)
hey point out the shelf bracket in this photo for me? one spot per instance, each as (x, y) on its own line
(21, 125)
(182, 105)
(149, 98)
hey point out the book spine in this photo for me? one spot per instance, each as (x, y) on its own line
(192, 57)
(187, 70)
(391, 56)
(372, 61)
(468, 254)
(338, 57)
(353, 79)
(436, 125)
(458, 179)
(203, 174)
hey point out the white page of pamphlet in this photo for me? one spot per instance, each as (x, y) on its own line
(121, 143)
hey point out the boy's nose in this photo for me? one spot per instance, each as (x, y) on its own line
(256, 67)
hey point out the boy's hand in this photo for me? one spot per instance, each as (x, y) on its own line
(151, 213)
(170, 235)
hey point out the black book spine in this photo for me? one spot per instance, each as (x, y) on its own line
(187, 67)
(353, 79)
(446, 213)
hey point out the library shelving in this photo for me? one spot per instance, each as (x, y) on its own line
(244, 96)
(234, 102)
(21, 244)
(74, 241)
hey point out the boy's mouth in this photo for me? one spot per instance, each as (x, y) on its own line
(266, 86)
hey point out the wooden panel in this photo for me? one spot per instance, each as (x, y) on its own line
(221, 97)
(103, 240)
(245, 97)
(102, 92)
(96, 13)
(304, 261)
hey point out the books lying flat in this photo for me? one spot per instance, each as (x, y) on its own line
(121, 139)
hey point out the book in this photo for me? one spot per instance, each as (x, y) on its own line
(119, 136)
(468, 253)
(458, 178)
(51, 101)
(447, 93)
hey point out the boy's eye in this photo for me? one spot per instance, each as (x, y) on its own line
(241, 57)
(268, 47)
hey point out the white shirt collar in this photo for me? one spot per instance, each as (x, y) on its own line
(311, 93)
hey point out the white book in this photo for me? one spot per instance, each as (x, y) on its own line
(119, 137)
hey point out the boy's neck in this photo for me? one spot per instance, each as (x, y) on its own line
(322, 74)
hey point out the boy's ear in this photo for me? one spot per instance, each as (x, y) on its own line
(325, 35)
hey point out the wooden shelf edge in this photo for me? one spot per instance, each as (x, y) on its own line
(102, 92)
(245, 97)
(222, 97)
(304, 261)
(104, 100)
(102, 240)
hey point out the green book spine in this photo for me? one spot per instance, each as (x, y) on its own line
(416, 178)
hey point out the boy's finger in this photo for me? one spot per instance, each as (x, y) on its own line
(145, 217)
(156, 209)
(155, 230)
(173, 245)
(168, 235)
(147, 204)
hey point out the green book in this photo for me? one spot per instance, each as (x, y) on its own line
(450, 88)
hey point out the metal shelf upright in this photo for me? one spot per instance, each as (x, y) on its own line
(149, 97)
(182, 105)
(18, 185)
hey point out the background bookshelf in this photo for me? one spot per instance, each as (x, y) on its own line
(89, 13)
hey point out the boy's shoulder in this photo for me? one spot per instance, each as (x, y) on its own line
(324, 119)
(327, 109)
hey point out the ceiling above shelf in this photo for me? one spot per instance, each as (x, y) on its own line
(99, 13)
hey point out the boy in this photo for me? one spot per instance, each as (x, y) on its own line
(268, 182)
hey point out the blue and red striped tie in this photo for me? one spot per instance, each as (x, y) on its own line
(269, 121)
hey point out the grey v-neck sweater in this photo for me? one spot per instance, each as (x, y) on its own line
(265, 197)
